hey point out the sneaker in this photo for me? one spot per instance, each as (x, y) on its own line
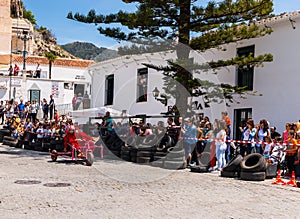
(80, 154)
(210, 169)
(192, 164)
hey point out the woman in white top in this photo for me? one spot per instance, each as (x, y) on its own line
(33, 110)
(221, 145)
(260, 135)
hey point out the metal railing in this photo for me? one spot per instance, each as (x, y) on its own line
(63, 109)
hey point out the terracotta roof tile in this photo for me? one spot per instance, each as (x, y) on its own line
(33, 60)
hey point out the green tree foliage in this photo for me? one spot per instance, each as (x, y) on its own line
(29, 16)
(194, 26)
(51, 57)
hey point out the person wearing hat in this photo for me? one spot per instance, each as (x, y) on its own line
(189, 132)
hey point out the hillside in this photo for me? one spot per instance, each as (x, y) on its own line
(89, 51)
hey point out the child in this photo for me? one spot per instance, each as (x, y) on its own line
(291, 151)
(267, 147)
(277, 153)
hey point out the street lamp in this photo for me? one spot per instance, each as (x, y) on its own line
(163, 98)
(25, 36)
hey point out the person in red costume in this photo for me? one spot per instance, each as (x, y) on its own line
(83, 137)
(70, 139)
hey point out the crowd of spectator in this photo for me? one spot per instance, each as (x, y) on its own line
(197, 133)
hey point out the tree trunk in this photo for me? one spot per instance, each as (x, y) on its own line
(183, 52)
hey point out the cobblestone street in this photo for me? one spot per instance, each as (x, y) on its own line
(114, 189)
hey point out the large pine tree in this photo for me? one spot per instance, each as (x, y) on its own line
(193, 26)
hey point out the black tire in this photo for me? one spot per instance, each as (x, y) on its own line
(145, 148)
(174, 165)
(46, 147)
(125, 153)
(253, 163)
(150, 140)
(204, 159)
(175, 154)
(271, 171)
(6, 142)
(160, 154)
(90, 159)
(133, 159)
(116, 153)
(253, 176)
(8, 138)
(37, 146)
(229, 174)
(144, 154)
(233, 164)
(143, 159)
(5, 132)
(199, 169)
(1, 137)
(158, 163)
(126, 158)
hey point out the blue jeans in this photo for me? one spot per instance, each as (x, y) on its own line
(220, 154)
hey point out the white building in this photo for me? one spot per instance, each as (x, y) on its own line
(115, 82)
(68, 77)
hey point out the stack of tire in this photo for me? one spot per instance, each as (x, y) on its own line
(164, 143)
(10, 141)
(145, 149)
(4, 132)
(233, 168)
(253, 167)
(175, 158)
(125, 153)
(112, 146)
(204, 163)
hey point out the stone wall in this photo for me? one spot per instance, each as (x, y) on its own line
(5, 27)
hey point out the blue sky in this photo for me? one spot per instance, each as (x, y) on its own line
(52, 14)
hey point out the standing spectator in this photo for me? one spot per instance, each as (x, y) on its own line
(291, 151)
(56, 116)
(2, 112)
(261, 132)
(221, 145)
(38, 71)
(21, 109)
(274, 133)
(16, 70)
(10, 70)
(226, 118)
(190, 134)
(285, 134)
(45, 108)
(74, 100)
(51, 106)
(33, 110)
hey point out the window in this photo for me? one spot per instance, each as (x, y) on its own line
(35, 95)
(109, 90)
(245, 74)
(240, 116)
(142, 85)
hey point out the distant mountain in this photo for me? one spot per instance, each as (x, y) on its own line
(89, 51)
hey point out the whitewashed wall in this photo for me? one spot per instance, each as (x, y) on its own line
(277, 81)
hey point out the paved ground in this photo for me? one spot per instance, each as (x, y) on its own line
(114, 189)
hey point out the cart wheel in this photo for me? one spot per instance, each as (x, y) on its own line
(54, 155)
(90, 159)
(53, 158)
